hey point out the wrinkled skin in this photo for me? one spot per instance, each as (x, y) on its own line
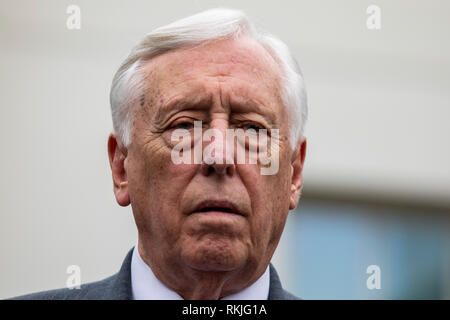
(225, 84)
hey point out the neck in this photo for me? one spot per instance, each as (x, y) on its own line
(192, 284)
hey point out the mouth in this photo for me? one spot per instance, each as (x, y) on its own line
(217, 207)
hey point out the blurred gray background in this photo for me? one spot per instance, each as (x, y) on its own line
(377, 177)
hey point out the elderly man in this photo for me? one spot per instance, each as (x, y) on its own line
(209, 225)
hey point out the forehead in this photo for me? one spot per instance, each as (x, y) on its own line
(242, 64)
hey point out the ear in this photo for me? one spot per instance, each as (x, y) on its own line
(117, 155)
(297, 161)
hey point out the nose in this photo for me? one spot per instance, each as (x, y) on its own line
(221, 169)
(221, 160)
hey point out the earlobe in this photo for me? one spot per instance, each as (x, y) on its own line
(122, 196)
(123, 184)
(294, 198)
(117, 159)
(297, 162)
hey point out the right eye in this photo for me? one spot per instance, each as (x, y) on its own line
(254, 127)
(183, 125)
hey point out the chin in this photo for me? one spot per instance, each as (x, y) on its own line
(216, 255)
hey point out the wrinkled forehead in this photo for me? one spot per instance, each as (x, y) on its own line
(243, 59)
(241, 52)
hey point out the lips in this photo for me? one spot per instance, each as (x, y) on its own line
(217, 206)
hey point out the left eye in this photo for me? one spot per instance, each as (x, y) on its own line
(184, 125)
(253, 126)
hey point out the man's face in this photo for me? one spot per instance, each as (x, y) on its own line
(226, 84)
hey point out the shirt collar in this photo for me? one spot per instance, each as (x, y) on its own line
(145, 285)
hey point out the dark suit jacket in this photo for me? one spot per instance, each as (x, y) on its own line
(118, 287)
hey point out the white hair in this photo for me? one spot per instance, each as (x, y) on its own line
(210, 25)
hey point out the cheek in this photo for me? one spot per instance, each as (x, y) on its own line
(157, 172)
(258, 189)
(269, 196)
(155, 186)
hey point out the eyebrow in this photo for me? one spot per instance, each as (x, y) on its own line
(182, 103)
(237, 106)
(249, 105)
